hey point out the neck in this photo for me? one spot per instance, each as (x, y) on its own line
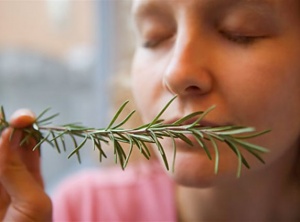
(267, 195)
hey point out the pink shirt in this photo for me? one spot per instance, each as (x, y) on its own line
(140, 193)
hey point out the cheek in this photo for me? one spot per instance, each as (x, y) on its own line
(266, 84)
(147, 87)
(138, 77)
(142, 84)
(266, 95)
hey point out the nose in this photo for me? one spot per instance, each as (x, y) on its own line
(187, 71)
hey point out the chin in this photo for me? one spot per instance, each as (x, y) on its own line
(195, 169)
(202, 181)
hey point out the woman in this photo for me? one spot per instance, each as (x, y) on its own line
(241, 56)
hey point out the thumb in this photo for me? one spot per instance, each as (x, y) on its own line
(13, 156)
(22, 118)
(23, 187)
(14, 174)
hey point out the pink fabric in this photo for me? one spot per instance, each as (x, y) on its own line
(143, 193)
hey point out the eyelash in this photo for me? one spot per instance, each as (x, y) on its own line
(239, 39)
(154, 43)
(235, 38)
(150, 44)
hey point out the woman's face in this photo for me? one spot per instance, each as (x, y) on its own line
(242, 56)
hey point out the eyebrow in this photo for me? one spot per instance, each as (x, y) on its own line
(160, 8)
(257, 4)
(149, 8)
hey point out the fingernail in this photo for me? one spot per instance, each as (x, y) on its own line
(22, 112)
(22, 118)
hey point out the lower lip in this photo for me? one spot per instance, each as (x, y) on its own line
(181, 144)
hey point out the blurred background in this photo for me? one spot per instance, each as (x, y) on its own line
(63, 54)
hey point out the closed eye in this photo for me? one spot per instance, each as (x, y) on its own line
(150, 43)
(240, 38)
(157, 41)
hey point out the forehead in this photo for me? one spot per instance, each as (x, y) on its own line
(140, 6)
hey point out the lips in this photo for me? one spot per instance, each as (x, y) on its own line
(202, 123)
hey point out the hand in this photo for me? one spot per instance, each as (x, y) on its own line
(22, 197)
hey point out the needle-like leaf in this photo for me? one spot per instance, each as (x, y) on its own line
(141, 136)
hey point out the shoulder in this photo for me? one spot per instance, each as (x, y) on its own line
(117, 193)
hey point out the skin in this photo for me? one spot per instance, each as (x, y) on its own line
(22, 196)
(242, 56)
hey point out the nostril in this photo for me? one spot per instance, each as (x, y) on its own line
(178, 82)
(192, 89)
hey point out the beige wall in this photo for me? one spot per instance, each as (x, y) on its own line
(27, 24)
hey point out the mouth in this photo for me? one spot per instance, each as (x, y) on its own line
(201, 123)
(198, 119)
(191, 141)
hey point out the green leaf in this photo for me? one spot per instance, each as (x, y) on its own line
(55, 142)
(236, 131)
(201, 117)
(3, 119)
(161, 149)
(77, 148)
(39, 122)
(184, 138)
(174, 151)
(120, 154)
(240, 158)
(187, 117)
(142, 147)
(161, 112)
(42, 114)
(129, 153)
(202, 143)
(75, 151)
(97, 143)
(42, 140)
(255, 134)
(217, 156)
(117, 115)
(143, 138)
(248, 145)
(216, 136)
(62, 140)
(124, 121)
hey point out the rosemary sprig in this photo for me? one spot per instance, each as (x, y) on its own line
(139, 137)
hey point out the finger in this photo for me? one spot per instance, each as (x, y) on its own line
(31, 159)
(14, 173)
(23, 155)
(22, 118)
(21, 180)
